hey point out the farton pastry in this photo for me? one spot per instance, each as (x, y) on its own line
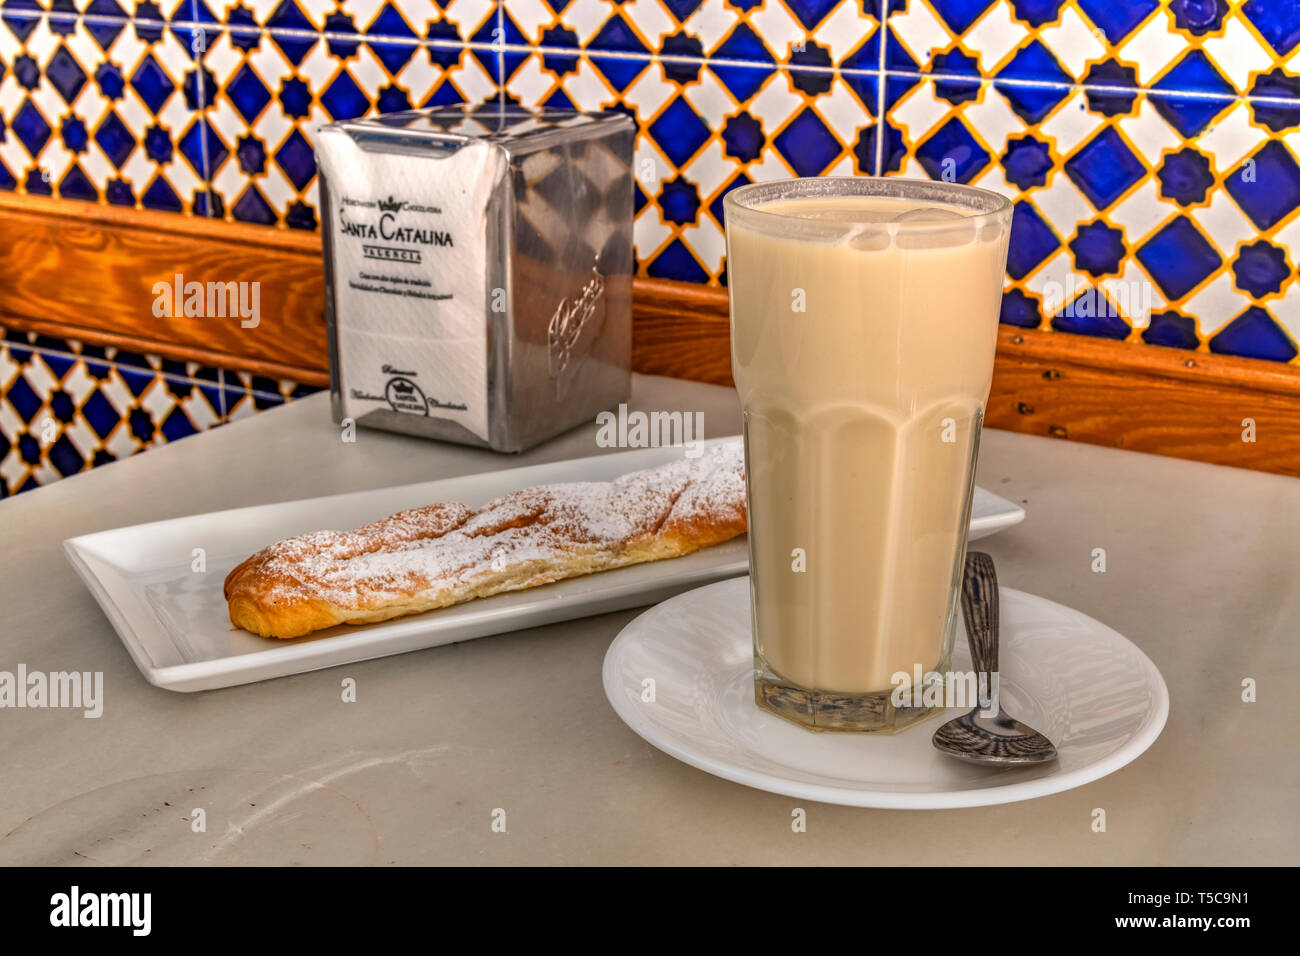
(444, 554)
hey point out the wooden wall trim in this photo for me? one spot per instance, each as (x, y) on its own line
(87, 272)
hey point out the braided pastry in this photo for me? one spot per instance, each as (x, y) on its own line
(444, 554)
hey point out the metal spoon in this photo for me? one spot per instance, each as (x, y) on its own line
(1000, 741)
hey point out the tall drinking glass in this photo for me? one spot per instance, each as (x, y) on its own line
(864, 316)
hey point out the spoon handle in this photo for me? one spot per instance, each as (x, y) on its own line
(979, 608)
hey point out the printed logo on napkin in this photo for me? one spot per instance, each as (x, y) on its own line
(409, 235)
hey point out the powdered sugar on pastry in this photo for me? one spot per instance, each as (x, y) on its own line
(445, 554)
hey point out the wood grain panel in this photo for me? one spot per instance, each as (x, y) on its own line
(681, 330)
(1164, 401)
(87, 272)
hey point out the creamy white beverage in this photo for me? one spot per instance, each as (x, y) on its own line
(863, 334)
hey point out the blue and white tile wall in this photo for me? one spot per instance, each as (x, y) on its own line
(1152, 147)
(66, 406)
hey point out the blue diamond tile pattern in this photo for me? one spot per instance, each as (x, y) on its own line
(268, 93)
(94, 109)
(66, 406)
(952, 153)
(1179, 257)
(1104, 168)
(1267, 184)
(1156, 200)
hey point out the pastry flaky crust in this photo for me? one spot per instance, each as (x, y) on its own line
(444, 554)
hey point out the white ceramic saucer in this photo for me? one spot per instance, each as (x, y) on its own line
(1093, 693)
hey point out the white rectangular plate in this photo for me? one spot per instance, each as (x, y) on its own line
(173, 619)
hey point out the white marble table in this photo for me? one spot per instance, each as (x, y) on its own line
(1201, 573)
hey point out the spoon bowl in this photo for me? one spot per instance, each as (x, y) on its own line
(1000, 740)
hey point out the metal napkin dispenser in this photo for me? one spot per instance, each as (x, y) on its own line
(478, 267)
